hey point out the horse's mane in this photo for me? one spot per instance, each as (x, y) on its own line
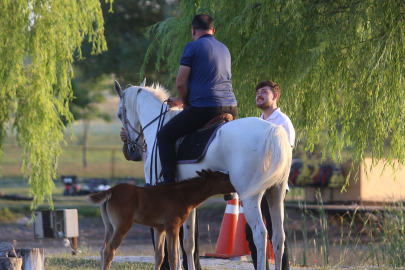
(158, 91)
(155, 89)
(131, 94)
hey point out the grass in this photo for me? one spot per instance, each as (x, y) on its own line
(381, 241)
(19, 186)
(7, 216)
(75, 263)
(376, 238)
(106, 162)
(104, 153)
(11, 211)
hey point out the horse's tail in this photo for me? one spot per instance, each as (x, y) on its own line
(99, 198)
(276, 161)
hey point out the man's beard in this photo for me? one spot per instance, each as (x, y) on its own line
(263, 105)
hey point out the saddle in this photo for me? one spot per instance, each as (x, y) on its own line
(192, 147)
(218, 120)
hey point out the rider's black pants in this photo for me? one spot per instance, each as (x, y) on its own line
(285, 265)
(189, 120)
(166, 265)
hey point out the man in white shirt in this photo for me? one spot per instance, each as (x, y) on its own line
(267, 95)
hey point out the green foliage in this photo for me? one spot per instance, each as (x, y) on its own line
(127, 44)
(38, 42)
(340, 65)
(83, 105)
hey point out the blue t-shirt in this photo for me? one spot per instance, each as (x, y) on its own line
(209, 83)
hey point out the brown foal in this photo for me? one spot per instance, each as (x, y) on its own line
(165, 208)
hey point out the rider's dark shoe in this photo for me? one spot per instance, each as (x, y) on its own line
(148, 185)
(229, 196)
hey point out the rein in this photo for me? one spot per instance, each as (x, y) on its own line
(133, 144)
(154, 148)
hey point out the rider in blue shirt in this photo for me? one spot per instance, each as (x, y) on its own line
(204, 87)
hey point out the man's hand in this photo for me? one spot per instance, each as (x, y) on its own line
(123, 135)
(175, 102)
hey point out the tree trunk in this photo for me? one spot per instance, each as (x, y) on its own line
(10, 263)
(32, 258)
(86, 125)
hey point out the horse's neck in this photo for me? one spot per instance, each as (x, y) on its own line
(148, 108)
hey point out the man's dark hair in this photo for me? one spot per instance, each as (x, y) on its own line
(202, 22)
(273, 86)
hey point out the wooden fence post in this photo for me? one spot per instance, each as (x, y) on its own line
(74, 245)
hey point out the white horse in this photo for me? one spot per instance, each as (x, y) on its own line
(256, 153)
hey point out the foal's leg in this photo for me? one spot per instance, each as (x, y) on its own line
(172, 236)
(275, 198)
(109, 230)
(159, 247)
(113, 245)
(188, 239)
(253, 217)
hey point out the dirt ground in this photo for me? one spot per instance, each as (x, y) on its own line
(91, 234)
(138, 240)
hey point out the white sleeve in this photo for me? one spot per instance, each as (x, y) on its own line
(290, 131)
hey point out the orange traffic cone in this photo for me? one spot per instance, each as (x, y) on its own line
(228, 228)
(241, 245)
(270, 252)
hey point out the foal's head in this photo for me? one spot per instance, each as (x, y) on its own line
(219, 179)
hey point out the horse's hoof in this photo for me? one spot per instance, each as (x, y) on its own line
(229, 196)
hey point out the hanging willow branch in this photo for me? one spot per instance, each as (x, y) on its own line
(38, 40)
(340, 65)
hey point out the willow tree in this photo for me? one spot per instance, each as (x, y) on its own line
(340, 65)
(38, 39)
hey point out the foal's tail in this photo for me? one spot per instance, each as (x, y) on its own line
(99, 198)
(276, 162)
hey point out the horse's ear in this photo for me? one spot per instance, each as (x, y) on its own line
(143, 83)
(200, 174)
(117, 89)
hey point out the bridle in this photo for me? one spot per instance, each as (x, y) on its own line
(133, 144)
